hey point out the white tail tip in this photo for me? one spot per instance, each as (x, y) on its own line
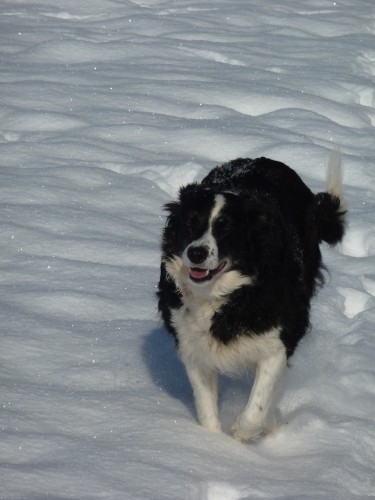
(334, 174)
(334, 177)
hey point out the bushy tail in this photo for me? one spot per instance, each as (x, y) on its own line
(330, 207)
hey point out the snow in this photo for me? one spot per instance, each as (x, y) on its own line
(108, 106)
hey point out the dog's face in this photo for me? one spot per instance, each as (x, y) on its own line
(207, 239)
(205, 254)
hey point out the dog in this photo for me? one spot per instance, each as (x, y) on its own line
(240, 263)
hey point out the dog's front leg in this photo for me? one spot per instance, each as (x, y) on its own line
(258, 413)
(204, 383)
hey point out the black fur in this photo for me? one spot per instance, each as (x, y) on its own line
(271, 228)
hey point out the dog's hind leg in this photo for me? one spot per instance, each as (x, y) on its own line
(258, 414)
(204, 382)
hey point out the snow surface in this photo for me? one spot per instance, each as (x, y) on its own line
(107, 107)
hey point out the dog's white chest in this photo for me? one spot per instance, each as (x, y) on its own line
(193, 320)
(193, 325)
(197, 345)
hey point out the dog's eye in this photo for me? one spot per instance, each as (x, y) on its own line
(223, 224)
(192, 221)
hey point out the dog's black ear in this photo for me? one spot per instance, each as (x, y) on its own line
(172, 207)
(188, 190)
(169, 235)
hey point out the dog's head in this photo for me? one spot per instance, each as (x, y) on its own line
(215, 240)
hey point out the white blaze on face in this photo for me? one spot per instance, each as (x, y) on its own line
(217, 208)
(207, 240)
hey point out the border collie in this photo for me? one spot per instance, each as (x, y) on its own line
(240, 263)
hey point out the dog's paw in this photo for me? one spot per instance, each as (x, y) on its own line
(244, 430)
(211, 425)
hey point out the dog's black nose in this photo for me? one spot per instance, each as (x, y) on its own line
(197, 255)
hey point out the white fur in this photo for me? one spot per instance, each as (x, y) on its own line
(258, 414)
(334, 177)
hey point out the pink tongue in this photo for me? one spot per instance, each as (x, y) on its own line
(198, 274)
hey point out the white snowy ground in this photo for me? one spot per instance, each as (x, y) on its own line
(107, 107)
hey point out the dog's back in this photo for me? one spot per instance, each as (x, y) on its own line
(317, 218)
(278, 181)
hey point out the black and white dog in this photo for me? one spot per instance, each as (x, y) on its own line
(240, 263)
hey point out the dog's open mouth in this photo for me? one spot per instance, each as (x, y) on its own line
(199, 275)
